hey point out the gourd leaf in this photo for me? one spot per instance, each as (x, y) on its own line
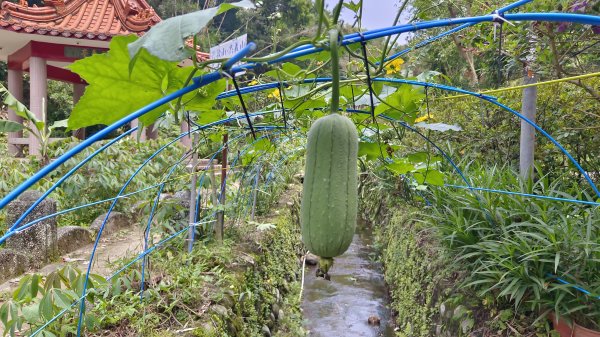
(402, 104)
(373, 150)
(10, 126)
(432, 177)
(114, 93)
(400, 167)
(418, 157)
(167, 39)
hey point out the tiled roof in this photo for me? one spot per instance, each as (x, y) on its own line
(81, 19)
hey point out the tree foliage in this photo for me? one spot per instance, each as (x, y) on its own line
(473, 58)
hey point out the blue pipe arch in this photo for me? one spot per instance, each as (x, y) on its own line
(300, 51)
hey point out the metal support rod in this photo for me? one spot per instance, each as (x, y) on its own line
(192, 215)
(221, 213)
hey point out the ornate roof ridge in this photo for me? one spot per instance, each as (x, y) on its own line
(87, 19)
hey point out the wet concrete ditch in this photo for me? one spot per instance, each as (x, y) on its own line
(354, 302)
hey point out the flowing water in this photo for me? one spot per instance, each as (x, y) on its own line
(357, 291)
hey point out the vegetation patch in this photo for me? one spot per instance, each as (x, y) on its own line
(245, 286)
(430, 284)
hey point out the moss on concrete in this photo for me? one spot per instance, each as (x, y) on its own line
(414, 270)
(246, 286)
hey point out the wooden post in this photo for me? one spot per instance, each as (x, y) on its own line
(38, 93)
(255, 192)
(221, 214)
(527, 143)
(215, 200)
(15, 87)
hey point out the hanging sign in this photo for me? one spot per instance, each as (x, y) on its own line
(229, 48)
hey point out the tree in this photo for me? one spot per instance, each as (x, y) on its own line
(562, 48)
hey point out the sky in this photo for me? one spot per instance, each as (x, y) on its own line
(376, 13)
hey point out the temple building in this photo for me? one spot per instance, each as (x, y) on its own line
(43, 37)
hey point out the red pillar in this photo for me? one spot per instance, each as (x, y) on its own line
(186, 141)
(38, 96)
(151, 132)
(15, 87)
(78, 90)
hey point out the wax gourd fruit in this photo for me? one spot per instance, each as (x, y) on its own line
(329, 201)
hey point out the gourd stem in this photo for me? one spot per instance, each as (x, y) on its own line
(335, 70)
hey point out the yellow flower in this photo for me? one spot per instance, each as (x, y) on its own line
(274, 94)
(394, 66)
(253, 82)
(423, 118)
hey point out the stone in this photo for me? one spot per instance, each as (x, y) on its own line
(12, 264)
(137, 209)
(208, 328)
(275, 311)
(71, 238)
(116, 221)
(182, 195)
(311, 259)
(266, 332)
(219, 310)
(37, 242)
(182, 199)
(165, 196)
(272, 320)
(373, 320)
(227, 301)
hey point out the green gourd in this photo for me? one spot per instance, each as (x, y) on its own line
(330, 193)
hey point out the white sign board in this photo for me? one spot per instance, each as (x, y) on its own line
(229, 48)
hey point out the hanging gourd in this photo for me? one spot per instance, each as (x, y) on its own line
(330, 192)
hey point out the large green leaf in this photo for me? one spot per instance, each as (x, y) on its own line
(10, 126)
(114, 93)
(167, 39)
(431, 177)
(400, 167)
(402, 104)
(374, 150)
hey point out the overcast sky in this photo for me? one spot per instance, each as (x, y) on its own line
(376, 13)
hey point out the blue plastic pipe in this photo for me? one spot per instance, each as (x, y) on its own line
(350, 39)
(527, 195)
